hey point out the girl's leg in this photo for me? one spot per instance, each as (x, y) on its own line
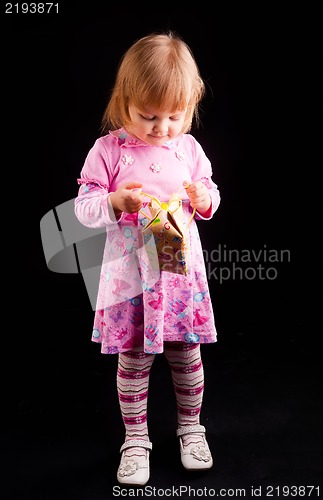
(132, 385)
(188, 379)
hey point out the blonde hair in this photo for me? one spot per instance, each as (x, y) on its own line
(158, 71)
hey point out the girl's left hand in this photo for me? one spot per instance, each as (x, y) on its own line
(199, 196)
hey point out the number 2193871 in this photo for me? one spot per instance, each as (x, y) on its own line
(31, 8)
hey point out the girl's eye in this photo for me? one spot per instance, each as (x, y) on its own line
(147, 117)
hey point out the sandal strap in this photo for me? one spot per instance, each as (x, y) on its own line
(190, 429)
(141, 443)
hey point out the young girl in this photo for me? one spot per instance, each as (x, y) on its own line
(146, 149)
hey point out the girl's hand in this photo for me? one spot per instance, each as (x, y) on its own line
(127, 198)
(199, 196)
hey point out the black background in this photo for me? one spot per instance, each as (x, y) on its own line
(263, 403)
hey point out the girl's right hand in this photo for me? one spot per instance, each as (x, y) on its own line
(127, 198)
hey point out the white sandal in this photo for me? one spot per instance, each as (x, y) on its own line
(130, 471)
(195, 457)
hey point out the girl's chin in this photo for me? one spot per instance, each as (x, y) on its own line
(151, 139)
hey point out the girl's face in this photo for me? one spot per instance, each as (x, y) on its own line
(155, 127)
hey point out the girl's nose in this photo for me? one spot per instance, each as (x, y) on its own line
(161, 128)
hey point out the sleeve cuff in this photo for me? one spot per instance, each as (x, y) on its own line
(111, 217)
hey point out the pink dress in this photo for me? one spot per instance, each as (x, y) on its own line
(137, 305)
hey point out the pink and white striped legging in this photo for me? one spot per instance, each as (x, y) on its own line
(133, 381)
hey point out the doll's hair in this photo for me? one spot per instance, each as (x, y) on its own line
(158, 71)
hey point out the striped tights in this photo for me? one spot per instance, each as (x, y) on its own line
(133, 381)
